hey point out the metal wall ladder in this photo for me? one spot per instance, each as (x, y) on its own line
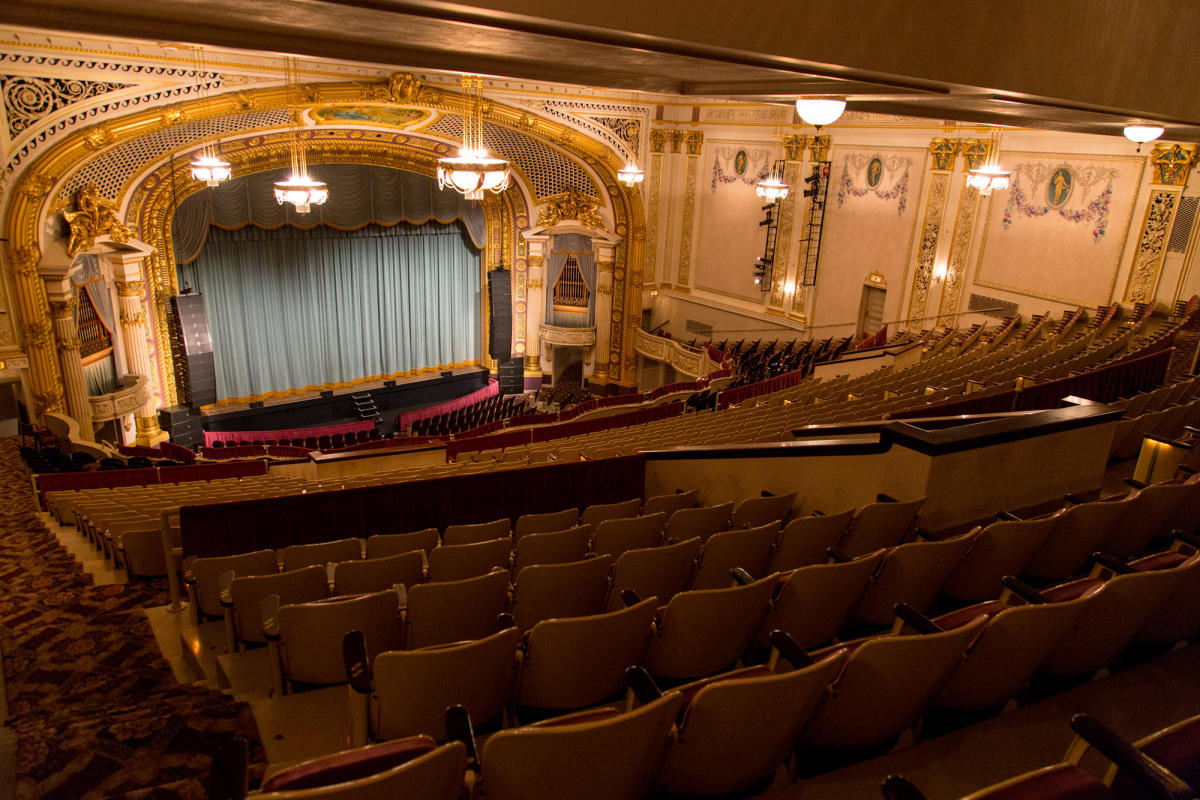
(817, 192)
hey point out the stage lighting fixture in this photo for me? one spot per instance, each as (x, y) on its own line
(814, 183)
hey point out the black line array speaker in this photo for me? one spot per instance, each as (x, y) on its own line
(195, 371)
(183, 424)
(500, 314)
(511, 375)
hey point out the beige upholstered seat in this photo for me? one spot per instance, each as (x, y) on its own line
(1002, 548)
(614, 756)
(1006, 654)
(455, 611)
(457, 562)
(545, 523)
(912, 574)
(1113, 618)
(479, 532)
(1145, 516)
(815, 602)
(575, 662)
(706, 631)
(888, 681)
(703, 522)
(393, 544)
(660, 572)
(413, 688)
(139, 546)
(298, 556)
(202, 576)
(377, 574)
(879, 525)
(756, 511)
(1177, 619)
(670, 503)
(246, 594)
(595, 514)
(615, 536)
(747, 548)
(736, 732)
(556, 547)
(806, 540)
(310, 634)
(574, 589)
(1080, 530)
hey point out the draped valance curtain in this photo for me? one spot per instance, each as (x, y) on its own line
(295, 310)
(580, 246)
(100, 376)
(358, 195)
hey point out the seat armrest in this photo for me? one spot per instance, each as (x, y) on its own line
(459, 729)
(741, 577)
(1141, 767)
(270, 617)
(1136, 484)
(642, 685)
(358, 668)
(225, 588)
(1007, 516)
(896, 787)
(915, 619)
(838, 555)
(885, 498)
(789, 648)
(504, 621)
(630, 597)
(1187, 538)
(1024, 590)
(228, 777)
(1111, 563)
(1074, 499)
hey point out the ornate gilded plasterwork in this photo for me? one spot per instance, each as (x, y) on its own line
(27, 99)
(787, 215)
(658, 140)
(656, 168)
(1171, 163)
(793, 147)
(1148, 259)
(974, 151)
(960, 247)
(942, 151)
(689, 219)
(91, 217)
(570, 205)
(818, 148)
(935, 206)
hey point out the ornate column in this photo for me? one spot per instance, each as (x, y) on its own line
(535, 300)
(127, 273)
(693, 140)
(793, 150)
(62, 312)
(606, 256)
(1170, 163)
(974, 152)
(941, 152)
(45, 376)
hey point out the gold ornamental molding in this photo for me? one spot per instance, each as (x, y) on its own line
(689, 219)
(570, 205)
(1152, 244)
(818, 148)
(92, 216)
(960, 247)
(793, 147)
(131, 288)
(943, 152)
(935, 206)
(975, 151)
(1171, 163)
(787, 215)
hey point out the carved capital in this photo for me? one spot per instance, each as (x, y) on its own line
(943, 150)
(658, 140)
(1171, 163)
(25, 261)
(130, 288)
(69, 343)
(818, 148)
(676, 138)
(793, 147)
(975, 151)
(694, 140)
(63, 308)
(535, 283)
(38, 334)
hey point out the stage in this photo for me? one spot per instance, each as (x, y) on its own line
(329, 408)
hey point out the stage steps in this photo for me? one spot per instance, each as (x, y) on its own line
(364, 404)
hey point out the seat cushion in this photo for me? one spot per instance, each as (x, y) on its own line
(1166, 560)
(350, 765)
(1064, 782)
(1178, 751)
(956, 619)
(1072, 590)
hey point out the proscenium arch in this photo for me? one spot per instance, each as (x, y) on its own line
(33, 202)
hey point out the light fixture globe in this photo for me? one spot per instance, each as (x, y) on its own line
(820, 111)
(772, 189)
(989, 178)
(302, 192)
(209, 168)
(631, 174)
(1143, 133)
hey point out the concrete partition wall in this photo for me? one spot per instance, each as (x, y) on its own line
(967, 472)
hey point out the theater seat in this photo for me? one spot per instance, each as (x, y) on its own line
(576, 662)
(756, 511)
(310, 635)
(703, 522)
(746, 548)
(1004, 547)
(201, 576)
(616, 536)
(243, 600)
(460, 561)
(670, 503)
(1080, 530)
(661, 572)
(911, 573)
(298, 556)
(595, 514)
(377, 574)
(479, 532)
(454, 611)
(1176, 747)
(882, 524)
(574, 589)
(588, 756)
(556, 547)
(806, 540)
(392, 544)
(544, 523)
(813, 603)
(1178, 618)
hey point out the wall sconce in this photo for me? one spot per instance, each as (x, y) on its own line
(1159, 458)
(939, 272)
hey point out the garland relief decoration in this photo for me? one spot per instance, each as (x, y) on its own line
(1077, 194)
(884, 177)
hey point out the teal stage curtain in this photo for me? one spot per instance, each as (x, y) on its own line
(290, 309)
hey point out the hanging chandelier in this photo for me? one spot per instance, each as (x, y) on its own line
(208, 166)
(299, 189)
(473, 172)
(991, 176)
(820, 111)
(631, 174)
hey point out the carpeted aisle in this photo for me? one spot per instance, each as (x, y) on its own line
(95, 707)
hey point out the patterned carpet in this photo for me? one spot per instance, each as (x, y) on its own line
(96, 708)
